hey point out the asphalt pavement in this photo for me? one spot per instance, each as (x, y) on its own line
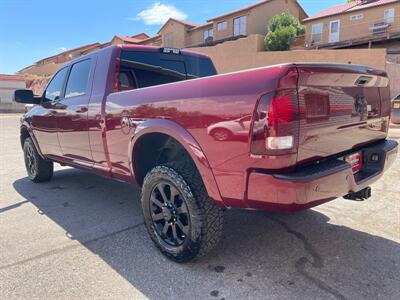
(81, 236)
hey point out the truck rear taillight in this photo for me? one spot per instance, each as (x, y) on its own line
(276, 124)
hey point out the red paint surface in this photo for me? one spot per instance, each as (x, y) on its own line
(95, 138)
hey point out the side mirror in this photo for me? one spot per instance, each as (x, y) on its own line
(26, 96)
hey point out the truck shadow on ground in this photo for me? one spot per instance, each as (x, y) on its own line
(286, 255)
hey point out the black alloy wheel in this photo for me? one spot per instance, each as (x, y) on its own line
(181, 219)
(38, 168)
(30, 162)
(169, 213)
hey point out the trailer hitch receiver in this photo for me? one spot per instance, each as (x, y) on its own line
(360, 195)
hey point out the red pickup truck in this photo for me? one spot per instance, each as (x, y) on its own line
(285, 137)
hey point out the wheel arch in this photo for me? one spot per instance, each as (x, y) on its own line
(26, 132)
(171, 130)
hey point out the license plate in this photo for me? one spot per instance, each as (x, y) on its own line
(396, 105)
(355, 161)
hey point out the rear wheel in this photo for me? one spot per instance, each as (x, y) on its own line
(38, 169)
(181, 219)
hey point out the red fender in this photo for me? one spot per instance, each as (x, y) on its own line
(26, 125)
(180, 134)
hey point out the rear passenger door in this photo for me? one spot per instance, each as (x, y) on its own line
(72, 114)
(137, 70)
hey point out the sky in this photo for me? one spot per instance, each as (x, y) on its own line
(31, 30)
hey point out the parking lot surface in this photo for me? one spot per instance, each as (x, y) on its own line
(82, 236)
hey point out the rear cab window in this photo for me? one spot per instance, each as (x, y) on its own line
(140, 69)
(197, 67)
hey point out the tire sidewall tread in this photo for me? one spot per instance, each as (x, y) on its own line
(205, 217)
(43, 168)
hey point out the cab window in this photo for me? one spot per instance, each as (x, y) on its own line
(78, 79)
(53, 91)
(143, 69)
(127, 80)
(140, 69)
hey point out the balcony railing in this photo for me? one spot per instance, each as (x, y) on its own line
(379, 28)
(212, 42)
(361, 32)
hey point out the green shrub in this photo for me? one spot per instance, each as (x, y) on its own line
(282, 32)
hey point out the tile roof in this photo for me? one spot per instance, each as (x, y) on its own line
(140, 36)
(11, 77)
(178, 21)
(249, 7)
(201, 26)
(239, 10)
(151, 38)
(129, 39)
(184, 22)
(81, 48)
(349, 7)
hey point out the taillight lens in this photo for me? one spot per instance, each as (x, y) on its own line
(276, 124)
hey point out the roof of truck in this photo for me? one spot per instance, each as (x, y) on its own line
(155, 49)
(146, 48)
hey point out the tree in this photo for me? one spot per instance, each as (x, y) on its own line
(282, 32)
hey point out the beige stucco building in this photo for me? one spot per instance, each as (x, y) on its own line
(49, 65)
(233, 25)
(367, 23)
(8, 84)
(246, 21)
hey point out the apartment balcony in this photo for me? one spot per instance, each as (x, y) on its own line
(364, 32)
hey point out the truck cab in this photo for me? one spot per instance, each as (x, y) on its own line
(70, 123)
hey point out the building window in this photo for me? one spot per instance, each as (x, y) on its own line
(168, 40)
(208, 34)
(356, 17)
(222, 26)
(389, 16)
(240, 26)
(316, 32)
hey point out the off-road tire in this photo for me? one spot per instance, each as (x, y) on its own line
(38, 169)
(206, 219)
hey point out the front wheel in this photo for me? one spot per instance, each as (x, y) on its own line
(38, 169)
(181, 219)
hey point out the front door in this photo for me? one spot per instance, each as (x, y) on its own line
(44, 121)
(72, 114)
(334, 31)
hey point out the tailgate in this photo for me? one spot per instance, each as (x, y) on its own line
(342, 107)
